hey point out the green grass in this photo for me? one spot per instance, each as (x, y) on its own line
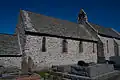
(43, 74)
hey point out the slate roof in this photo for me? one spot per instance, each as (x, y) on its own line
(9, 45)
(54, 26)
(105, 31)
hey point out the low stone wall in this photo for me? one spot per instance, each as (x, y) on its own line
(10, 62)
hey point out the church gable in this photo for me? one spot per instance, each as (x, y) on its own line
(48, 25)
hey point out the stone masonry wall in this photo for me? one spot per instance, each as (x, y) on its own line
(100, 49)
(116, 48)
(117, 42)
(11, 62)
(110, 51)
(54, 55)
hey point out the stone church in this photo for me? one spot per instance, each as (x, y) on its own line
(50, 41)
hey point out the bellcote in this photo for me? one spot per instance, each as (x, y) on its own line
(82, 17)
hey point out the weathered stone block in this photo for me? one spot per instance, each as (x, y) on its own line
(92, 71)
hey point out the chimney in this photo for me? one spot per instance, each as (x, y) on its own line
(82, 17)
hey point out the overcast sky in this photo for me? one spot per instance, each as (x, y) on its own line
(103, 12)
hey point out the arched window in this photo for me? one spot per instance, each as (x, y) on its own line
(80, 46)
(65, 45)
(44, 44)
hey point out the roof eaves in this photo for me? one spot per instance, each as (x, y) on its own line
(44, 34)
